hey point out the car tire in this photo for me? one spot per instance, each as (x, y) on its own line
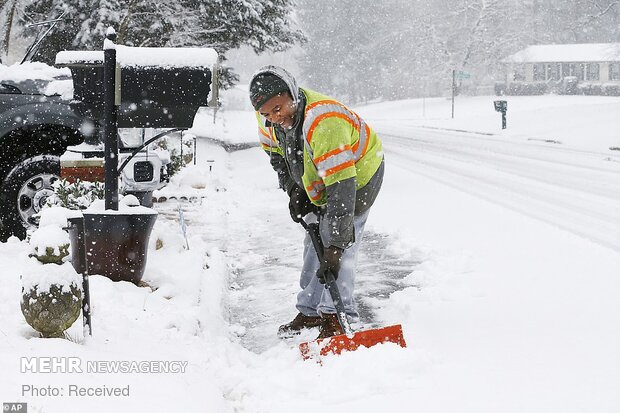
(24, 192)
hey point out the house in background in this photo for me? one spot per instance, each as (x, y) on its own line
(588, 68)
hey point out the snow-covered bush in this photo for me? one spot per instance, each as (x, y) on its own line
(599, 89)
(76, 195)
(611, 89)
(587, 88)
(526, 88)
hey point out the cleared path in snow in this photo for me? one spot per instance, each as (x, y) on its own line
(263, 288)
(575, 190)
(265, 257)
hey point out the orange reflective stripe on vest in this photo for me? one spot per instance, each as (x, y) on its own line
(322, 109)
(315, 190)
(334, 161)
(266, 139)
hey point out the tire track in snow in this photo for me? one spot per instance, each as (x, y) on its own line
(578, 191)
(570, 168)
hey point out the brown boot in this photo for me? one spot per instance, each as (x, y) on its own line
(300, 322)
(330, 326)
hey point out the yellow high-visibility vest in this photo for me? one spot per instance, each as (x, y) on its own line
(338, 145)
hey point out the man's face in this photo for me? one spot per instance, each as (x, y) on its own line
(279, 110)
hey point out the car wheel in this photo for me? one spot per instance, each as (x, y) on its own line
(25, 191)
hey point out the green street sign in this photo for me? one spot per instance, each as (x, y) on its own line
(463, 75)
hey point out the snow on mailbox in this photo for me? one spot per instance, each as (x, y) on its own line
(156, 87)
(500, 105)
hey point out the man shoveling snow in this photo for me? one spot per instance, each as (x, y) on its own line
(330, 163)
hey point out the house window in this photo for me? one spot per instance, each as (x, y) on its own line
(539, 72)
(553, 71)
(518, 72)
(614, 71)
(566, 69)
(577, 70)
(594, 70)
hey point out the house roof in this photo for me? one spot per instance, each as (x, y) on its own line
(566, 53)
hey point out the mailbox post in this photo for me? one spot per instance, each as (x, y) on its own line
(110, 130)
(501, 106)
(142, 87)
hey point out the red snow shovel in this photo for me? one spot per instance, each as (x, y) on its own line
(350, 340)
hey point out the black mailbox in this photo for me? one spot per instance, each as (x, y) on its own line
(147, 95)
(501, 105)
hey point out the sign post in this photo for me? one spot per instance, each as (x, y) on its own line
(453, 90)
(460, 75)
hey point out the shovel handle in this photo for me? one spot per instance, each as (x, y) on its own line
(330, 283)
(330, 279)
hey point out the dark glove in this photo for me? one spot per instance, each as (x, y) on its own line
(330, 262)
(299, 204)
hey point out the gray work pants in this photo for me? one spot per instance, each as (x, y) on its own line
(314, 298)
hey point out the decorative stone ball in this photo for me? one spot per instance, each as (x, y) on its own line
(51, 298)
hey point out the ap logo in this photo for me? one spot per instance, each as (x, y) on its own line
(15, 407)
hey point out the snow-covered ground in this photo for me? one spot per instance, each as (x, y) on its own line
(498, 253)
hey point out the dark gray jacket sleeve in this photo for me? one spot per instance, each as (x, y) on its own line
(337, 223)
(285, 180)
(343, 202)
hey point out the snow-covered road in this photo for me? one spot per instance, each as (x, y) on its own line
(575, 190)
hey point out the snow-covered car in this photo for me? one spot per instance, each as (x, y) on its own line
(37, 125)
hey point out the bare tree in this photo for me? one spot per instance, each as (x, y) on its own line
(11, 9)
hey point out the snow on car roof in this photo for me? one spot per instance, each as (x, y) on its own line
(32, 70)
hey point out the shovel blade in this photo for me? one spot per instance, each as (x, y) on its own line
(340, 343)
